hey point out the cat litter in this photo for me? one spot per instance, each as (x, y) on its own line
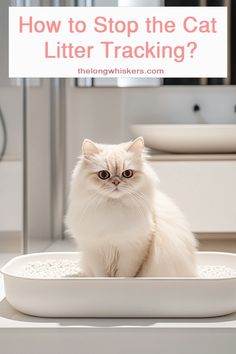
(66, 268)
(215, 271)
(51, 269)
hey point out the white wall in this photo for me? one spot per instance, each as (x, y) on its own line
(11, 166)
(106, 114)
(11, 196)
(96, 114)
(174, 105)
(12, 108)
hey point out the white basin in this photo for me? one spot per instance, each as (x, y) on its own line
(188, 138)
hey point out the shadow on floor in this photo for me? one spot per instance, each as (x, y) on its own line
(9, 313)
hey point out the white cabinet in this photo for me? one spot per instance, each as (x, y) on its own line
(204, 190)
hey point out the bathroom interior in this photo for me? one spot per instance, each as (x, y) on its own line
(44, 122)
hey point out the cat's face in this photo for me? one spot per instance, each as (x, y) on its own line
(113, 170)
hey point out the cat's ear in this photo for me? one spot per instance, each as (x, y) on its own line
(89, 148)
(137, 145)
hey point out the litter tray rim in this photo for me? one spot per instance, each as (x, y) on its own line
(4, 271)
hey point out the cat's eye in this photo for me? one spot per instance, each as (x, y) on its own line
(127, 173)
(103, 174)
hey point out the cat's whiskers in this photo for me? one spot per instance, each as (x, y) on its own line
(138, 195)
(142, 198)
(104, 194)
(88, 204)
(136, 201)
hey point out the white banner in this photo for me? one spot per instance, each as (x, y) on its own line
(117, 42)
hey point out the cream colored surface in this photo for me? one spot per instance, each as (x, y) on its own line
(204, 190)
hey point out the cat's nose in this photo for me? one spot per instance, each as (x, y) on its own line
(116, 181)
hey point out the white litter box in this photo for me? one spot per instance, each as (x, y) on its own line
(72, 296)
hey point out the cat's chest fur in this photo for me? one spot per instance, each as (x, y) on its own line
(116, 223)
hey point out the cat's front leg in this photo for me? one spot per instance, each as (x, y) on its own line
(92, 265)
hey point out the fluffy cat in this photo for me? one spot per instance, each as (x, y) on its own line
(124, 225)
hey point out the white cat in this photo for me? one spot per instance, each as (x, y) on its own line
(124, 225)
